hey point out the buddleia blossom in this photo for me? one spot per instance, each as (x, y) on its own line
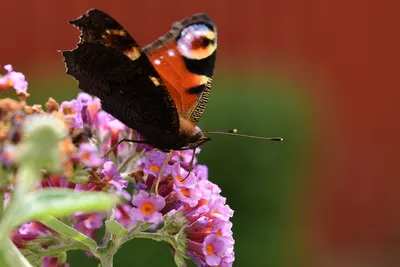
(208, 231)
(88, 164)
(13, 79)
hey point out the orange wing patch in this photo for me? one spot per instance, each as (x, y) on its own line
(171, 67)
(184, 58)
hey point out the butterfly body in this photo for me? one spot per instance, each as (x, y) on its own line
(160, 91)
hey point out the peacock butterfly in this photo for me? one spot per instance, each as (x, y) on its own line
(161, 91)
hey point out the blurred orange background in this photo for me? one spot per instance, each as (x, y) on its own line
(344, 57)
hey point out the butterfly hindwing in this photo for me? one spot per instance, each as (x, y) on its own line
(185, 59)
(109, 64)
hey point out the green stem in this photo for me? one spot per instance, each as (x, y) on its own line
(11, 256)
(52, 250)
(107, 235)
(1, 204)
(3, 186)
(107, 254)
(107, 260)
(28, 175)
(154, 236)
(64, 229)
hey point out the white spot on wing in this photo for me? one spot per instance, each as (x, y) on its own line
(171, 53)
(157, 62)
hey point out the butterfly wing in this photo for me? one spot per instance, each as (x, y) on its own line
(185, 59)
(109, 64)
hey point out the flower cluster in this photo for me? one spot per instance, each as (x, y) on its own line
(182, 189)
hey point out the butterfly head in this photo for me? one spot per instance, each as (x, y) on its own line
(197, 41)
(193, 141)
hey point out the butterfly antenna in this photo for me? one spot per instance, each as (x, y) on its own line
(234, 132)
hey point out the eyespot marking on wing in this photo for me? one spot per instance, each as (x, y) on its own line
(197, 41)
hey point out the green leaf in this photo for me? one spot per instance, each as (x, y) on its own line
(56, 202)
(66, 230)
(10, 256)
(116, 228)
(174, 223)
(179, 260)
(34, 259)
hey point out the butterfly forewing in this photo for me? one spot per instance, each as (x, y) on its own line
(109, 64)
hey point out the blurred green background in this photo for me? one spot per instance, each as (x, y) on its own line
(322, 74)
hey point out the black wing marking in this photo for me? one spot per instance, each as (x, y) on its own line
(109, 64)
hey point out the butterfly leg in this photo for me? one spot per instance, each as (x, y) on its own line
(159, 176)
(121, 141)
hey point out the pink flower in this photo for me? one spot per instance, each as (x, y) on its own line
(13, 79)
(186, 185)
(53, 262)
(154, 162)
(7, 154)
(88, 223)
(214, 248)
(147, 208)
(201, 171)
(227, 260)
(122, 215)
(73, 110)
(90, 108)
(112, 176)
(219, 209)
(89, 155)
(27, 232)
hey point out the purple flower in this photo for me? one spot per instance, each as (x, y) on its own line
(33, 228)
(223, 228)
(72, 109)
(219, 209)
(108, 131)
(84, 99)
(227, 260)
(186, 185)
(214, 249)
(7, 154)
(154, 162)
(108, 122)
(208, 189)
(13, 79)
(182, 177)
(90, 108)
(201, 171)
(112, 176)
(88, 223)
(27, 232)
(147, 208)
(122, 215)
(88, 155)
(52, 262)
(140, 186)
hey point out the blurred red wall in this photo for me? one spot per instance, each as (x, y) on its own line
(350, 52)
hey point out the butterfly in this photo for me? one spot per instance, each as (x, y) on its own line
(160, 90)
